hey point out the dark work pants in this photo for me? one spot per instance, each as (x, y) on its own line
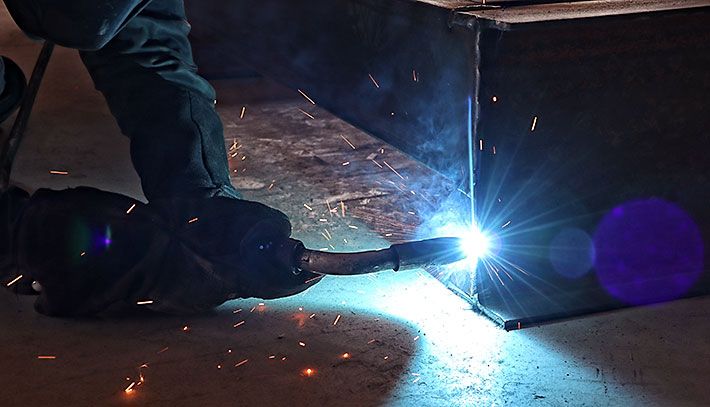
(139, 57)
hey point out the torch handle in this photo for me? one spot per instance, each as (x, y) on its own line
(404, 256)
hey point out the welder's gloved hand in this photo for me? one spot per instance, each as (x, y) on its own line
(91, 250)
(237, 235)
(12, 87)
(11, 203)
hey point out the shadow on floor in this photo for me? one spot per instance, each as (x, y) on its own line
(206, 360)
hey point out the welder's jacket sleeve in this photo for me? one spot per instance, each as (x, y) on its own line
(93, 250)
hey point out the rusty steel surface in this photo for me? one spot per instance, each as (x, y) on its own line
(521, 11)
(530, 13)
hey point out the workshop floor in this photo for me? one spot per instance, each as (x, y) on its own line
(409, 340)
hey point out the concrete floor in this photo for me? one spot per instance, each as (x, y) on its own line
(410, 341)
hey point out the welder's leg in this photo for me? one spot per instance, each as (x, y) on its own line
(80, 24)
(150, 83)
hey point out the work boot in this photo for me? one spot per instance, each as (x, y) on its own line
(12, 87)
(12, 203)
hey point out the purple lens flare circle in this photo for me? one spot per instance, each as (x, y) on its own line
(648, 251)
(571, 253)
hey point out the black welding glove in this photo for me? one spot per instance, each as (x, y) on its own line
(12, 87)
(91, 250)
(12, 202)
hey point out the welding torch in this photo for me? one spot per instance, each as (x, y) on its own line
(397, 257)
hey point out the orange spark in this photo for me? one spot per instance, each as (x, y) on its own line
(193, 220)
(330, 210)
(377, 85)
(238, 324)
(241, 114)
(131, 209)
(336, 320)
(310, 280)
(130, 387)
(348, 141)
(146, 302)
(302, 344)
(16, 279)
(307, 114)
(309, 372)
(306, 96)
(393, 170)
(46, 357)
(54, 172)
(241, 363)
